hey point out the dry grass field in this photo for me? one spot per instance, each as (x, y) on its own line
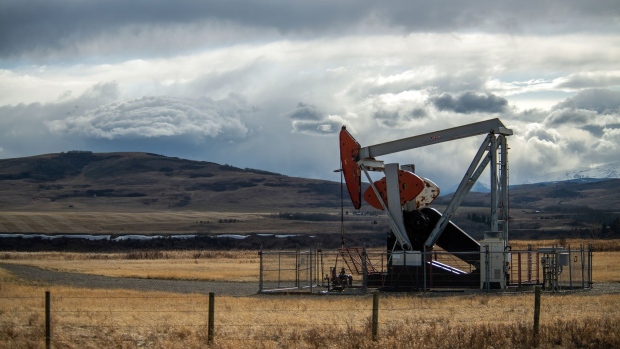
(83, 318)
(186, 265)
(88, 318)
(122, 223)
(176, 222)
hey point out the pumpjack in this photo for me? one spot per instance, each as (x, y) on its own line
(417, 229)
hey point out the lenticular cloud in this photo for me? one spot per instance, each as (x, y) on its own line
(151, 117)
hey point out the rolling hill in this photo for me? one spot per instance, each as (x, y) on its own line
(141, 181)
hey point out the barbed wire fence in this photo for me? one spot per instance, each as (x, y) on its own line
(147, 321)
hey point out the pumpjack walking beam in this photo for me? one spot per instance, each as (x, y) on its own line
(450, 134)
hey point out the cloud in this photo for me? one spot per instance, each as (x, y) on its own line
(570, 116)
(23, 129)
(594, 130)
(48, 29)
(608, 146)
(306, 112)
(590, 80)
(223, 82)
(600, 101)
(158, 117)
(322, 128)
(470, 102)
(393, 119)
(597, 130)
(309, 120)
(543, 135)
(592, 110)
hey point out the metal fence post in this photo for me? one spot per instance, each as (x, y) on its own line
(519, 267)
(260, 276)
(211, 325)
(311, 276)
(536, 311)
(364, 270)
(48, 321)
(375, 315)
(556, 271)
(279, 266)
(487, 270)
(583, 285)
(424, 264)
(297, 267)
(590, 252)
(570, 269)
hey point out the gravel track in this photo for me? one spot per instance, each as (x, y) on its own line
(31, 273)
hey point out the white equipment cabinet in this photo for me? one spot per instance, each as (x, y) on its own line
(494, 261)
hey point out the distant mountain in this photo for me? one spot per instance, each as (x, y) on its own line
(477, 188)
(580, 195)
(607, 171)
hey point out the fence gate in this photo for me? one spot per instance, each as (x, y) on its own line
(298, 270)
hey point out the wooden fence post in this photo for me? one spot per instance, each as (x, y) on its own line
(48, 321)
(375, 315)
(536, 312)
(211, 326)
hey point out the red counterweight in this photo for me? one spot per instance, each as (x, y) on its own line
(349, 153)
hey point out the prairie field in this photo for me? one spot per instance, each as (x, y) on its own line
(84, 318)
(99, 318)
(185, 265)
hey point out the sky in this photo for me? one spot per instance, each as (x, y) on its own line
(268, 84)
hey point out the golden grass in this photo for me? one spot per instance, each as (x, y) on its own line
(605, 267)
(83, 318)
(186, 265)
(598, 245)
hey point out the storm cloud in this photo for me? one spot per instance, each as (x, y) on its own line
(56, 28)
(269, 84)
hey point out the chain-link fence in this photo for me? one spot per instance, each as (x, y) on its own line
(357, 269)
(525, 268)
(564, 269)
(290, 270)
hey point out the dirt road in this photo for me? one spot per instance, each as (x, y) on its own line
(96, 281)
